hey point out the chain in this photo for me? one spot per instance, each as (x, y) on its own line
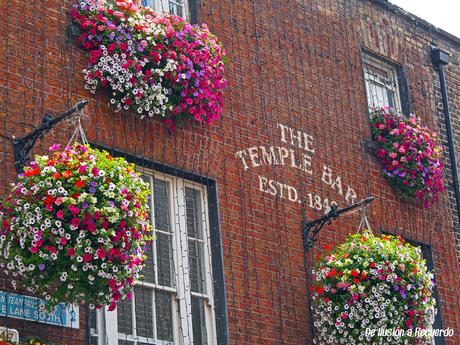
(75, 121)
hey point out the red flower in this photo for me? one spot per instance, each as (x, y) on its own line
(87, 257)
(372, 265)
(67, 173)
(49, 200)
(101, 253)
(32, 172)
(60, 214)
(51, 249)
(320, 289)
(354, 273)
(79, 184)
(75, 221)
(71, 252)
(332, 273)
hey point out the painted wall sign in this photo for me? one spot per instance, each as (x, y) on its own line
(9, 334)
(296, 151)
(28, 308)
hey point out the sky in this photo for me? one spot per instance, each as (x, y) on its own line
(444, 14)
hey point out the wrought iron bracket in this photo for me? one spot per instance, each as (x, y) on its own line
(310, 230)
(22, 146)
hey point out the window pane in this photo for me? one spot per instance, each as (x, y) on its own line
(149, 269)
(93, 341)
(166, 275)
(149, 3)
(92, 320)
(161, 205)
(391, 98)
(193, 210)
(164, 315)
(198, 321)
(125, 342)
(144, 316)
(381, 83)
(197, 269)
(125, 317)
(377, 95)
(176, 8)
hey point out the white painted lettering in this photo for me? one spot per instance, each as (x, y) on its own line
(337, 184)
(272, 185)
(292, 193)
(306, 164)
(283, 133)
(284, 153)
(253, 155)
(269, 157)
(262, 183)
(241, 154)
(350, 196)
(308, 143)
(327, 175)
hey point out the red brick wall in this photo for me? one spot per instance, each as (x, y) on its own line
(295, 63)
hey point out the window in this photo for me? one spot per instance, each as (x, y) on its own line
(385, 83)
(427, 254)
(174, 302)
(177, 7)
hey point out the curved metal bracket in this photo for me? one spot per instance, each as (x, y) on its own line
(22, 146)
(310, 230)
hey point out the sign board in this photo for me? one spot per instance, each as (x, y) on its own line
(30, 309)
(9, 334)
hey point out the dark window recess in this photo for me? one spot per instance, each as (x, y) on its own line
(193, 11)
(404, 90)
(427, 254)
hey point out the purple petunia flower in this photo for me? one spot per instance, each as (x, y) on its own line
(84, 205)
(41, 267)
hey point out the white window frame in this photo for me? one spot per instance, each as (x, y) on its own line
(107, 327)
(163, 6)
(373, 80)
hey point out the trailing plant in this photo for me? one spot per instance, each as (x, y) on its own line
(410, 154)
(151, 63)
(74, 227)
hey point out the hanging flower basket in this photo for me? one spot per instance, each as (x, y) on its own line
(150, 63)
(368, 285)
(410, 154)
(74, 227)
